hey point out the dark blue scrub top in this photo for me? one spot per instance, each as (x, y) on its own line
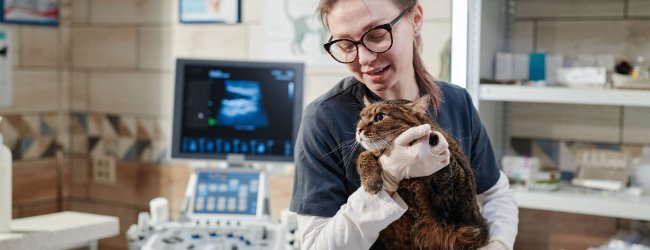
(325, 163)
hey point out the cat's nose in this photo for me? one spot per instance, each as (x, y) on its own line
(359, 130)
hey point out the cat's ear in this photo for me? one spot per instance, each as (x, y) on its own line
(366, 101)
(422, 104)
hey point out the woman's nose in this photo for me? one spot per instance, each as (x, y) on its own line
(366, 56)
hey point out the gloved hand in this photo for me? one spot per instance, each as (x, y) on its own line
(404, 160)
(494, 245)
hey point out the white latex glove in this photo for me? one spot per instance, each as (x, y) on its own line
(494, 245)
(410, 156)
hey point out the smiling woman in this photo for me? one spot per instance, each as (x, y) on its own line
(379, 42)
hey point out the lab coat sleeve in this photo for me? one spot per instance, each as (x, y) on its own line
(355, 226)
(500, 210)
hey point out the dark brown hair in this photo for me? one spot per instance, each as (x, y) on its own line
(424, 80)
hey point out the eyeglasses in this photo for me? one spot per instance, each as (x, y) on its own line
(378, 40)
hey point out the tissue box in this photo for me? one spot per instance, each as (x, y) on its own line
(582, 76)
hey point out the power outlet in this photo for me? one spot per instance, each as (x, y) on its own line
(104, 169)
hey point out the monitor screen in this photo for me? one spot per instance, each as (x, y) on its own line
(227, 193)
(226, 108)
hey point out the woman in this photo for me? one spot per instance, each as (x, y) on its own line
(379, 41)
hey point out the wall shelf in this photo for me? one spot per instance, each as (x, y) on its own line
(543, 94)
(598, 204)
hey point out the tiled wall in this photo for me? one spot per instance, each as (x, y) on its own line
(615, 27)
(101, 84)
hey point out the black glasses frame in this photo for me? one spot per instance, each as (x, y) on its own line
(388, 27)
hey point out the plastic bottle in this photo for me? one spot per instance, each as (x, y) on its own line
(642, 171)
(5, 186)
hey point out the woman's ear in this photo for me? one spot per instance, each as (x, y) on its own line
(418, 18)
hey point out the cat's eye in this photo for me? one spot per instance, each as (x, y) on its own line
(379, 117)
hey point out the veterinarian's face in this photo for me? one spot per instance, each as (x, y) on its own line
(388, 71)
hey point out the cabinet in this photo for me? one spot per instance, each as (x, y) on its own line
(498, 22)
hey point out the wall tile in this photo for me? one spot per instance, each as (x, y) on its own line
(105, 47)
(34, 181)
(523, 37)
(564, 122)
(130, 11)
(253, 11)
(131, 93)
(34, 91)
(79, 91)
(636, 123)
(638, 8)
(80, 11)
(40, 46)
(155, 48)
(436, 9)
(574, 8)
(618, 38)
(15, 42)
(319, 80)
(64, 90)
(434, 39)
(210, 41)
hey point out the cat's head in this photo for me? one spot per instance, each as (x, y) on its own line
(381, 122)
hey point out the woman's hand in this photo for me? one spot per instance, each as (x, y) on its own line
(410, 156)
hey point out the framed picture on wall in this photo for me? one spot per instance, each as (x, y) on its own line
(210, 11)
(38, 12)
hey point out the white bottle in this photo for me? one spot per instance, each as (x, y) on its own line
(5, 186)
(642, 171)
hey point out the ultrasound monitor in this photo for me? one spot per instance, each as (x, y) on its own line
(236, 108)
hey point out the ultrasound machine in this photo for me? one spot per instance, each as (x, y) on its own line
(239, 113)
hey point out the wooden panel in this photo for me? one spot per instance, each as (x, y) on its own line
(638, 8)
(575, 38)
(34, 181)
(523, 37)
(136, 184)
(46, 207)
(564, 122)
(126, 215)
(563, 241)
(104, 47)
(574, 8)
(543, 230)
(636, 125)
(280, 189)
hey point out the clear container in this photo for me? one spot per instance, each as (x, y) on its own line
(642, 170)
(641, 68)
(5, 186)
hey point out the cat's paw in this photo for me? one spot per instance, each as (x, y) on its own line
(373, 187)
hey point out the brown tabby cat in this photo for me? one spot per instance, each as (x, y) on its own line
(443, 212)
